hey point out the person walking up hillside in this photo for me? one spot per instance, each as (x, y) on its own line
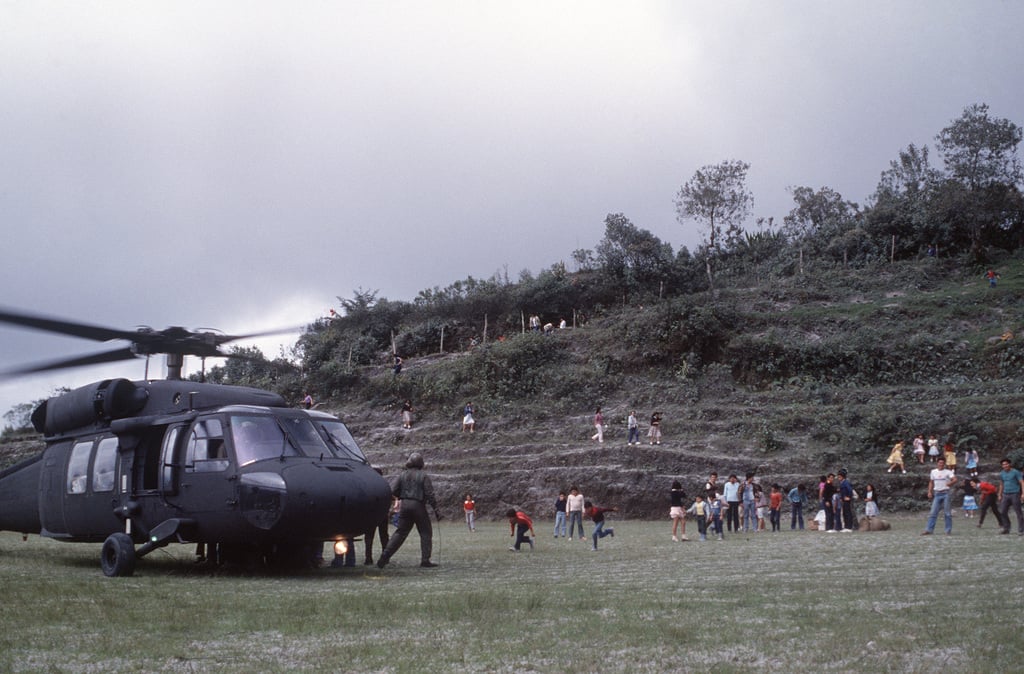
(598, 426)
(633, 429)
(895, 459)
(654, 432)
(415, 491)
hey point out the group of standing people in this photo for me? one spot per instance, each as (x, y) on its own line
(571, 508)
(632, 428)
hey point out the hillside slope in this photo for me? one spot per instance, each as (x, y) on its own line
(790, 377)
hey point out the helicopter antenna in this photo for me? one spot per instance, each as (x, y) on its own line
(146, 373)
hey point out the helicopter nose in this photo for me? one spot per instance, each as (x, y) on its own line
(325, 500)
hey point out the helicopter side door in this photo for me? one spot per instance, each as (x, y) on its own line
(90, 483)
(206, 482)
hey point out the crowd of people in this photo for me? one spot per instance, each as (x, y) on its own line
(732, 506)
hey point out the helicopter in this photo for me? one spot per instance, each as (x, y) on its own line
(138, 465)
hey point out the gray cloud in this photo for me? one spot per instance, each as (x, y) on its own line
(236, 163)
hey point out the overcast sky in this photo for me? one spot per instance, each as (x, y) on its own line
(238, 165)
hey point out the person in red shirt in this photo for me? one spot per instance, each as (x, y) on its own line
(597, 515)
(469, 506)
(520, 523)
(989, 496)
(775, 507)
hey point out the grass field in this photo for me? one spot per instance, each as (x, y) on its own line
(791, 601)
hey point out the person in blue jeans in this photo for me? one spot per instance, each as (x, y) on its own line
(560, 505)
(1010, 487)
(797, 500)
(749, 504)
(574, 509)
(597, 515)
(939, 483)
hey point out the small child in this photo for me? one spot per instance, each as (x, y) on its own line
(870, 501)
(520, 523)
(971, 459)
(970, 502)
(715, 506)
(597, 515)
(699, 509)
(470, 508)
(775, 506)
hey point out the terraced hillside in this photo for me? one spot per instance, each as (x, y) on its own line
(792, 377)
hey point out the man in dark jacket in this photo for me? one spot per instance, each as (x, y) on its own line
(415, 491)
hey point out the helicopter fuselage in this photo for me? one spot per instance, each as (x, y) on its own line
(178, 461)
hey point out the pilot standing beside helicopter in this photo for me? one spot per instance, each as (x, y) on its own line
(415, 491)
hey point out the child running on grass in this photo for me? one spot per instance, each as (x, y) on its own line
(520, 523)
(597, 515)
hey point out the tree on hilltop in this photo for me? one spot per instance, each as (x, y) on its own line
(716, 197)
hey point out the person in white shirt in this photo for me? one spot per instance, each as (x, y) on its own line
(939, 483)
(574, 511)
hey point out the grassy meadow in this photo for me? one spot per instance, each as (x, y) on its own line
(789, 601)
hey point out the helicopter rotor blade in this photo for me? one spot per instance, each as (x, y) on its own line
(59, 326)
(276, 364)
(224, 339)
(124, 353)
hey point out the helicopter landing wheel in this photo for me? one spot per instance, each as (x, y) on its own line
(118, 555)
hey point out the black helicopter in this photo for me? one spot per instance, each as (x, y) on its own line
(138, 465)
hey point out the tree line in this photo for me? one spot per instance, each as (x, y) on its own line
(965, 209)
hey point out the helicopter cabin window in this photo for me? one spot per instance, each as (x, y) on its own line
(104, 465)
(78, 467)
(258, 437)
(206, 452)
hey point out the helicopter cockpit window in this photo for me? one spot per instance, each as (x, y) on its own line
(301, 431)
(78, 467)
(206, 452)
(258, 437)
(104, 465)
(340, 439)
